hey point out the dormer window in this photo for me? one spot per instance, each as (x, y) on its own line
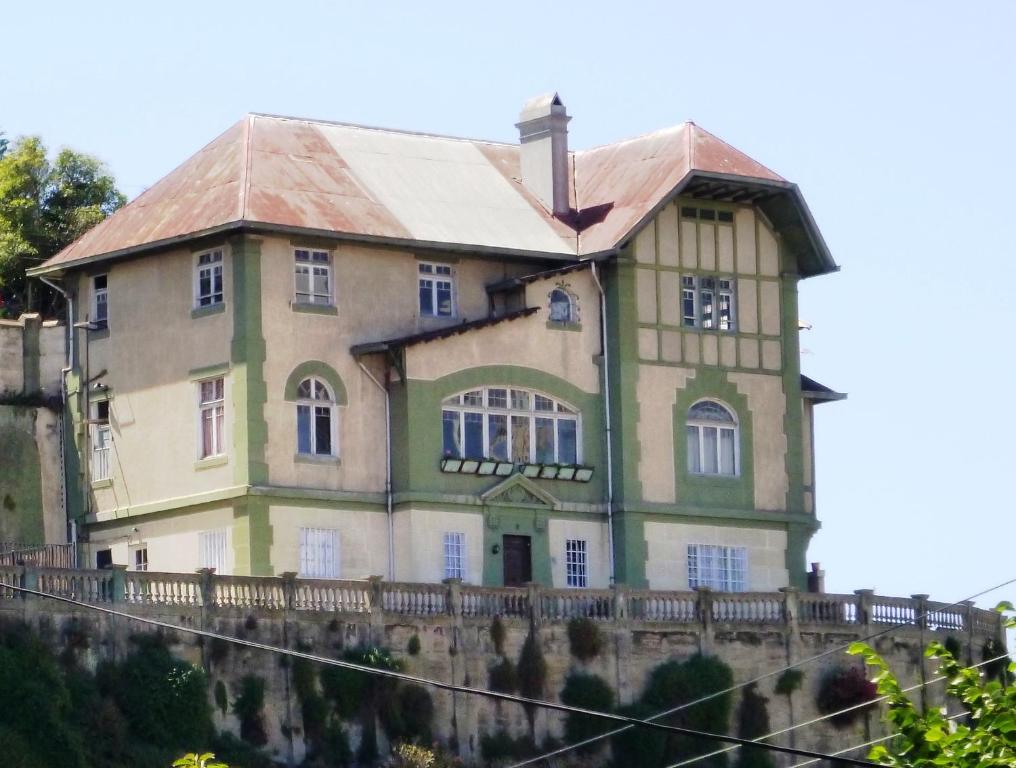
(436, 287)
(208, 279)
(562, 307)
(313, 276)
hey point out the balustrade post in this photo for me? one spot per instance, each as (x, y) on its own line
(117, 583)
(704, 608)
(967, 609)
(535, 607)
(791, 608)
(29, 580)
(289, 590)
(377, 609)
(921, 620)
(619, 603)
(453, 598)
(207, 589)
(864, 603)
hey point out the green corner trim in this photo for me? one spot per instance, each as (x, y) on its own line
(211, 461)
(208, 371)
(314, 309)
(320, 370)
(211, 309)
(252, 537)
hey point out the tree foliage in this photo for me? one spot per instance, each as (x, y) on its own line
(44, 206)
(984, 737)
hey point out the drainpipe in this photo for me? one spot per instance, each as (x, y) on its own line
(70, 359)
(388, 468)
(606, 420)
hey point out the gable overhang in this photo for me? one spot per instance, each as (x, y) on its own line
(781, 202)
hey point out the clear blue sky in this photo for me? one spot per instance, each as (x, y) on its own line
(896, 119)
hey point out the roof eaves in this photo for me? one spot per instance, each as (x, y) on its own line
(374, 347)
(812, 390)
(515, 282)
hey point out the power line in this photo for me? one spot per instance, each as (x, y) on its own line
(738, 686)
(831, 715)
(629, 721)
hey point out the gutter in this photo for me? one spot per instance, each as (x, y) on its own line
(388, 467)
(606, 421)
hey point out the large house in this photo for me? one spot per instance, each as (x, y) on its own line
(340, 351)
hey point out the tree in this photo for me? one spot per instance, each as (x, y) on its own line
(44, 206)
(194, 760)
(984, 737)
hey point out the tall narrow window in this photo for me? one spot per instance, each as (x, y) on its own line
(100, 300)
(208, 279)
(720, 568)
(689, 313)
(101, 441)
(435, 290)
(313, 277)
(575, 563)
(561, 309)
(315, 419)
(711, 439)
(454, 555)
(725, 305)
(212, 550)
(212, 413)
(319, 553)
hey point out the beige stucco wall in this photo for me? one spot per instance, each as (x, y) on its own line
(667, 547)
(14, 361)
(11, 356)
(363, 538)
(768, 405)
(657, 394)
(419, 537)
(597, 551)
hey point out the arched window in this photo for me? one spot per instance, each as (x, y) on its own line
(510, 425)
(562, 309)
(712, 439)
(315, 419)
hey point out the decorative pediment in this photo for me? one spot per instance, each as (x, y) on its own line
(519, 491)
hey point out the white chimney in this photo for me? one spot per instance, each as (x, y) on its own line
(543, 133)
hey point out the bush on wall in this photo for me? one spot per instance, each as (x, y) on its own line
(753, 722)
(587, 692)
(841, 688)
(584, 639)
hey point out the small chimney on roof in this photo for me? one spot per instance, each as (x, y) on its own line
(543, 133)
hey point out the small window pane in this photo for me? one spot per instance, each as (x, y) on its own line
(474, 435)
(303, 438)
(520, 400)
(560, 307)
(694, 460)
(444, 299)
(474, 398)
(306, 389)
(454, 555)
(566, 448)
(497, 398)
(710, 411)
(727, 452)
(498, 429)
(709, 451)
(426, 297)
(323, 430)
(543, 403)
(520, 439)
(450, 424)
(545, 441)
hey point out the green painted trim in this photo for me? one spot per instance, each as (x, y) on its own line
(313, 494)
(97, 484)
(314, 309)
(208, 371)
(100, 395)
(211, 309)
(742, 517)
(444, 500)
(320, 370)
(247, 353)
(707, 491)
(321, 460)
(211, 461)
(522, 522)
(252, 537)
(631, 550)
(558, 326)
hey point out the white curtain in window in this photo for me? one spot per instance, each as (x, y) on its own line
(319, 553)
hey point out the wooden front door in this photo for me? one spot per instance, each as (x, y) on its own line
(518, 560)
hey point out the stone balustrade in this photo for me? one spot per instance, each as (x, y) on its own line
(379, 599)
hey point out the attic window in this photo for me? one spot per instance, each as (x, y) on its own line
(707, 214)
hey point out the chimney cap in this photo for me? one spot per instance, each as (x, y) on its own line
(542, 106)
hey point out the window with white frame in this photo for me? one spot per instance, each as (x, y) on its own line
(562, 307)
(454, 555)
(721, 568)
(100, 300)
(212, 550)
(576, 565)
(316, 428)
(139, 558)
(313, 276)
(211, 417)
(707, 301)
(102, 440)
(319, 553)
(711, 432)
(509, 424)
(436, 287)
(208, 279)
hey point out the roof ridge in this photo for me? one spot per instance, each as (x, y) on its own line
(403, 131)
(248, 148)
(731, 147)
(629, 139)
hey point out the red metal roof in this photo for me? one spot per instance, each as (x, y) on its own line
(390, 185)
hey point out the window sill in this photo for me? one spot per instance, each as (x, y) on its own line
(211, 461)
(211, 309)
(314, 309)
(315, 458)
(718, 480)
(107, 483)
(556, 325)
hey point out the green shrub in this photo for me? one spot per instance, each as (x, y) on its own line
(413, 646)
(841, 688)
(497, 635)
(789, 681)
(248, 708)
(331, 750)
(221, 700)
(587, 692)
(503, 678)
(233, 751)
(500, 745)
(409, 714)
(954, 646)
(532, 668)
(753, 722)
(642, 747)
(584, 639)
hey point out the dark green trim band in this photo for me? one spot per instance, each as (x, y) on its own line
(320, 370)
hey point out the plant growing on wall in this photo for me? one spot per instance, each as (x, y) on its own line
(788, 682)
(841, 688)
(248, 707)
(753, 722)
(584, 639)
(502, 677)
(588, 692)
(497, 635)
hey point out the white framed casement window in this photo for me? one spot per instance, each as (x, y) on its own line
(562, 307)
(212, 550)
(436, 290)
(724, 569)
(712, 440)
(319, 553)
(313, 274)
(510, 424)
(316, 420)
(102, 441)
(139, 557)
(708, 302)
(576, 564)
(455, 555)
(208, 279)
(100, 300)
(211, 418)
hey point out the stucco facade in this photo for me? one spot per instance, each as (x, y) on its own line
(343, 406)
